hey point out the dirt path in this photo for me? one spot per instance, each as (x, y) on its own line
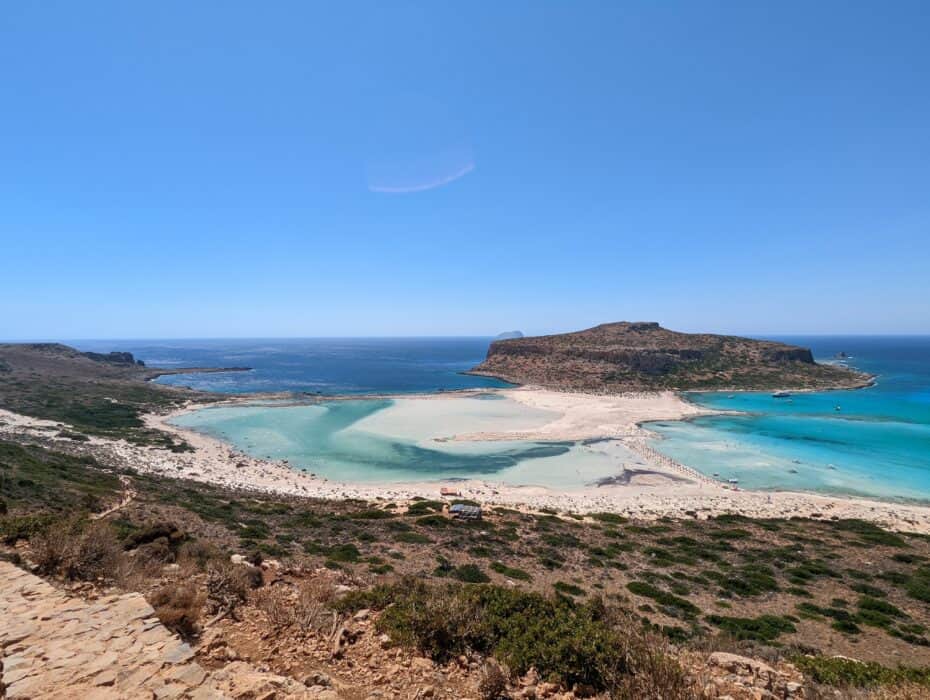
(129, 495)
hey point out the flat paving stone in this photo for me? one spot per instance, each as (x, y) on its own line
(55, 646)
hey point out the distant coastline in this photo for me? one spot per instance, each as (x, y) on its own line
(155, 373)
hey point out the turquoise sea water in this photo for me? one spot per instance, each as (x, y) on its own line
(399, 440)
(876, 444)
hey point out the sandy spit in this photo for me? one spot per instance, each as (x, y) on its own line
(666, 489)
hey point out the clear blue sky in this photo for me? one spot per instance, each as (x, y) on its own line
(188, 169)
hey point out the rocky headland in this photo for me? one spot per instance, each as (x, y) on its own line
(632, 357)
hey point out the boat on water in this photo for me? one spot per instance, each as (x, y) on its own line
(781, 394)
(733, 481)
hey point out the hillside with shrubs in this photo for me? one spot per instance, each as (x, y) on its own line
(398, 599)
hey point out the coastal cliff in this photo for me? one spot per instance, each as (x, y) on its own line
(643, 356)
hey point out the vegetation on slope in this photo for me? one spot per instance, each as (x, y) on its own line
(784, 586)
(93, 396)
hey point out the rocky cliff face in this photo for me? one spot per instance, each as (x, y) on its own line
(624, 356)
(118, 358)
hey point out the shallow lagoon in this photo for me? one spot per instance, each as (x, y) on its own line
(403, 440)
(871, 442)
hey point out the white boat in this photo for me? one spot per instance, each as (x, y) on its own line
(781, 394)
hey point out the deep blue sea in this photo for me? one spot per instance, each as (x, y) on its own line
(873, 442)
(316, 365)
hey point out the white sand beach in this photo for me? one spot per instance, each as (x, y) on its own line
(663, 488)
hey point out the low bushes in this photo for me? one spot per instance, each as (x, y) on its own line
(77, 550)
(680, 606)
(870, 533)
(470, 573)
(24, 527)
(510, 572)
(492, 681)
(845, 673)
(228, 586)
(764, 628)
(571, 642)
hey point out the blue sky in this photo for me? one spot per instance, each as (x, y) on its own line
(304, 169)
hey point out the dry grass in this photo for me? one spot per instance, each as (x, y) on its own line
(306, 607)
(78, 551)
(651, 669)
(313, 609)
(228, 586)
(277, 604)
(492, 681)
(179, 608)
(901, 691)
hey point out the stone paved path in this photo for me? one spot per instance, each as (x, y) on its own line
(57, 646)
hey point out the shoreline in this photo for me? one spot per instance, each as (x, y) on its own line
(859, 380)
(663, 488)
(150, 375)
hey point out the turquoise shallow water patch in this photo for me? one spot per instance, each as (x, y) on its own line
(385, 441)
(872, 442)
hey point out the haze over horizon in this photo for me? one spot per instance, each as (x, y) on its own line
(211, 170)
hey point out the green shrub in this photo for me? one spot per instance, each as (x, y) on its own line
(375, 598)
(881, 606)
(808, 571)
(434, 521)
(918, 585)
(24, 527)
(568, 588)
(869, 590)
(412, 538)
(765, 628)
(669, 600)
(846, 625)
(611, 518)
(569, 642)
(510, 572)
(372, 514)
(151, 532)
(870, 533)
(470, 573)
(749, 580)
(905, 558)
(843, 672)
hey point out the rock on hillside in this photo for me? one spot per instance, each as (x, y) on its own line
(617, 357)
